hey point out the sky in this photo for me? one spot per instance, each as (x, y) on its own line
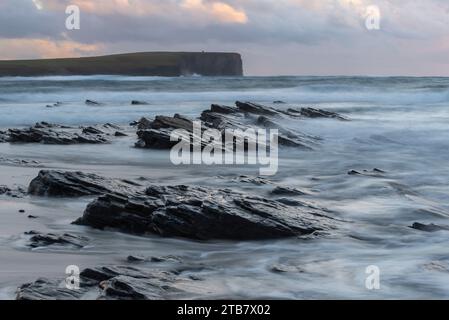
(275, 37)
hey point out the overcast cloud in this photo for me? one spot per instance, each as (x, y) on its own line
(274, 36)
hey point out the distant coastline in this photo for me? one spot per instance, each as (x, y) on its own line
(169, 64)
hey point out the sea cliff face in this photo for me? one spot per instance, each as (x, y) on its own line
(132, 64)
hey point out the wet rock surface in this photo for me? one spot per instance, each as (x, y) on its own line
(53, 183)
(39, 239)
(246, 115)
(16, 192)
(116, 283)
(204, 213)
(47, 133)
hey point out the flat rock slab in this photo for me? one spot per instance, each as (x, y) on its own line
(47, 133)
(115, 283)
(204, 214)
(53, 183)
(39, 239)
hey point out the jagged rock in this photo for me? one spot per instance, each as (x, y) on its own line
(318, 113)
(115, 283)
(39, 239)
(142, 124)
(53, 183)
(93, 103)
(120, 134)
(175, 122)
(156, 139)
(283, 268)
(372, 173)
(54, 134)
(429, 227)
(156, 134)
(255, 108)
(279, 190)
(223, 109)
(136, 102)
(45, 289)
(92, 130)
(201, 213)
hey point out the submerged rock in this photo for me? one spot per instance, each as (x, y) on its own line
(39, 239)
(53, 183)
(203, 213)
(93, 103)
(136, 103)
(116, 283)
(429, 227)
(318, 113)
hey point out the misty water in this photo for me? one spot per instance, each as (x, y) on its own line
(398, 125)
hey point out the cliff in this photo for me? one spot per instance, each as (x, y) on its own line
(170, 64)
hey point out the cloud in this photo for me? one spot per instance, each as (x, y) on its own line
(43, 48)
(291, 36)
(218, 10)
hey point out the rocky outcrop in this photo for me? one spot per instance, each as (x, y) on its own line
(202, 213)
(116, 283)
(156, 134)
(53, 183)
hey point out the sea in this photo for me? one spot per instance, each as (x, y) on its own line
(399, 125)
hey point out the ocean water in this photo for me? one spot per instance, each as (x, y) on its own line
(398, 124)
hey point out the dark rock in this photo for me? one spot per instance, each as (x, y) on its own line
(288, 191)
(371, 173)
(279, 102)
(255, 108)
(38, 239)
(18, 192)
(115, 283)
(200, 213)
(429, 227)
(32, 217)
(319, 113)
(165, 259)
(142, 124)
(135, 259)
(54, 134)
(223, 109)
(156, 139)
(120, 134)
(93, 103)
(283, 268)
(136, 103)
(92, 130)
(156, 134)
(22, 211)
(175, 122)
(45, 289)
(52, 183)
